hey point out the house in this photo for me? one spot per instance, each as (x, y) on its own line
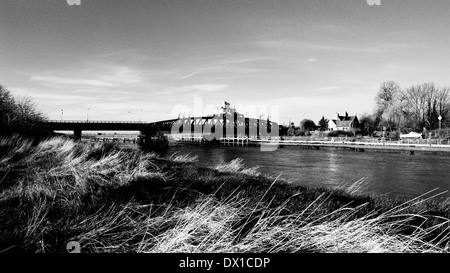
(344, 123)
(332, 125)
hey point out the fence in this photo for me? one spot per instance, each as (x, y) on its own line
(377, 141)
(94, 121)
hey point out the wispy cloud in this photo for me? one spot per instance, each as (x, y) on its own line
(207, 87)
(180, 93)
(328, 88)
(96, 76)
(302, 45)
(125, 56)
(55, 81)
(244, 60)
(227, 68)
(188, 75)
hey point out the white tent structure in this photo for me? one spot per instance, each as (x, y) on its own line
(411, 135)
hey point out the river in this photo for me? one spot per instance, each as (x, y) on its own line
(392, 174)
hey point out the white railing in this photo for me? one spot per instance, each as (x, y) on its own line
(95, 121)
(369, 141)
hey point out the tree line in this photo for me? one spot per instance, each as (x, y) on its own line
(415, 108)
(402, 110)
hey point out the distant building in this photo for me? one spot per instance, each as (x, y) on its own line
(344, 123)
(332, 125)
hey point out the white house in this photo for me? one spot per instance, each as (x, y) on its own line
(343, 123)
(332, 125)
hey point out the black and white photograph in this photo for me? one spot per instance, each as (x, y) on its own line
(242, 128)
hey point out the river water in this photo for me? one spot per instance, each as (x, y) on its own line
(392, 174)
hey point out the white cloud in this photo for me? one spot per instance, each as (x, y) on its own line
(206, 87)
(55, 81)
(228, 68)
(94, 76)
(188, 75)
(281, 44)
(328, 88)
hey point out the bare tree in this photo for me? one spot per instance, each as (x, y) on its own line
(424, 103)
(388, 99)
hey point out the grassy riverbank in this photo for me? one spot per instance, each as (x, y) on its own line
(118, 200)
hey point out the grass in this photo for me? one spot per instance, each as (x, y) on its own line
(237, 166)
(118, 200)
(186, 158)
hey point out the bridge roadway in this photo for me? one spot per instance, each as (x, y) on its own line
(77, 126)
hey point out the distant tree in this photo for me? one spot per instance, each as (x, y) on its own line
(291, 130)
(423, 104)
(367, 124)
(307, 124)
(414, 108)
(298, 132)
(386, 99)
(283, 130)
(323, 124)
(387, 93)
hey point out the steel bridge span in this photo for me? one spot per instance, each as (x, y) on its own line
(213, 126)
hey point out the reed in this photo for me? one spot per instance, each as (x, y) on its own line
(119, 200)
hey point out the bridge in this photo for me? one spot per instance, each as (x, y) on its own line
(226, 124)
(78, 126)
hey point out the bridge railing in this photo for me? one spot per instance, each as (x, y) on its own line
(95, 121)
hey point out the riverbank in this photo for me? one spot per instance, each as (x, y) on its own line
(111, 199)
(411, 148)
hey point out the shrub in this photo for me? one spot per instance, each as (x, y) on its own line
(20, 116)
(340, 133)
(394, 135)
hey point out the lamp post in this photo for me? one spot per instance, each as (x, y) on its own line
(62, 114)
(440, 118)
(140, 116)
(87, 115)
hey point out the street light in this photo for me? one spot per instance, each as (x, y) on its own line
(440, 118)
(140, 115)
(62, 113)
(87, 115)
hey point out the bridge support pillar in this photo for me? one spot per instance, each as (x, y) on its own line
(77, 134)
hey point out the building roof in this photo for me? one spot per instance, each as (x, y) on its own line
(346, 121)
(346, 117)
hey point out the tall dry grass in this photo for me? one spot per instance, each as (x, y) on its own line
(237, 166)
(186, 158)
(62, 166)
(212, 226)
(115, 200)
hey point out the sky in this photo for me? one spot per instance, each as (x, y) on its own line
(144, 60)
